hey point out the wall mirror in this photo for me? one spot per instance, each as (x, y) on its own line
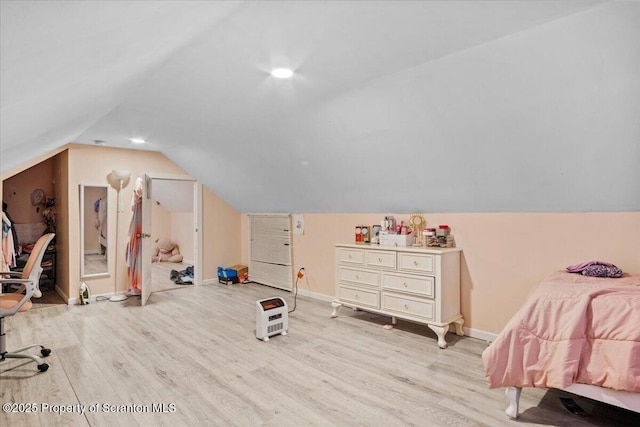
(94, 232)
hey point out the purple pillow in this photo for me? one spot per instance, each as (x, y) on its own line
(599, 270)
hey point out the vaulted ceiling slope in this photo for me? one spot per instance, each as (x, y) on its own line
(478, 106)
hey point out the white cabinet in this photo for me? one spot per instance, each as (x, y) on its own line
(417, 284)
(270, 250)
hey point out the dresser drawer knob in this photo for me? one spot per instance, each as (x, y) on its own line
(405, 284)
(357, 296)
(379, 259)
(415, 263)
(357, 277)
(349, 256)
(406, 306)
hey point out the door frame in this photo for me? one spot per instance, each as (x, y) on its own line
(197, 218)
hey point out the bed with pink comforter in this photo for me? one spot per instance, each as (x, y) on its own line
(572, 329)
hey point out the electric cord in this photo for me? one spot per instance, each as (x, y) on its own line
(295, 289)
(295, 297)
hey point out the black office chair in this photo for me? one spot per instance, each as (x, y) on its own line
(12, 303)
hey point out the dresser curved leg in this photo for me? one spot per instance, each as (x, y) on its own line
(336, 306)
(440, 331)
(513, 397)
(459, 324)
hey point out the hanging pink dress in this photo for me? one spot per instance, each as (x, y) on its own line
(134, 246)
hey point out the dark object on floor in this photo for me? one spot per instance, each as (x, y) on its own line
(227, 280)
(227, 275)
(183, 277)
(572, 406)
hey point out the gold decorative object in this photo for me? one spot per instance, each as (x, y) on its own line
(418, 223)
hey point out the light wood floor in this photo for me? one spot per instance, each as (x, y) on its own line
(95, 264)
(196, 348)
(160, 280)
(49, 298)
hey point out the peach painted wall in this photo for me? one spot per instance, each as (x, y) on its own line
(221, 234)
(182, 233)
(61, 190)
(16, 192)
(504, 255)
(93, 165)
(177, 226)
(160, 221)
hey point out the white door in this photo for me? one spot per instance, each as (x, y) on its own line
(145, 235)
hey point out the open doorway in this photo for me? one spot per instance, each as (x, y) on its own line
(173, 234)
(29, 206)
(174, 223)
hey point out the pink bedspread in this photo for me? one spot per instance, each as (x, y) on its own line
(572, 329)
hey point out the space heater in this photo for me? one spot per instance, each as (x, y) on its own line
(272, 318)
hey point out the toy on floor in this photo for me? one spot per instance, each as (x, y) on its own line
(166, 250)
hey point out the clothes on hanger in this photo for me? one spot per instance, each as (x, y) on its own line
(8, 246)
(14, 233)
(100, 207)
(134, 245)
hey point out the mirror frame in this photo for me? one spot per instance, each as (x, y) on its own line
(82, 235)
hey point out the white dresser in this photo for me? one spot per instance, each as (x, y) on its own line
(417, 284)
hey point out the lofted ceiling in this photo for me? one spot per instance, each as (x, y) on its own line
(433, 106)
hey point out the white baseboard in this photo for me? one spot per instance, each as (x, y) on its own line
(314, 295)
(187, 261)
(92, 252)
(64, 296)
(210, 281)
(479, 334)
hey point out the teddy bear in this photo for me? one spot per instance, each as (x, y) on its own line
(166, 250)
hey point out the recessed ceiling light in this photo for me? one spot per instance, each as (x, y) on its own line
(99, 142)
(137, 140)
(282, 73)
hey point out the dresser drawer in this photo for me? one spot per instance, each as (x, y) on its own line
(417, 285)
(351, 256)
(423, 263)
(361, 297)
(381, 259)
(361, 277)
(408, 306)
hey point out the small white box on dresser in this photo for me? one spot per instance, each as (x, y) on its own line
(421, 285)
(401, 240)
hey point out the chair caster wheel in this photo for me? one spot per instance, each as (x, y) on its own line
(43, 367)
(45, 352)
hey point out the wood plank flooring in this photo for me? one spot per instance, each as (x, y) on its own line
(160, 281)
(160, 275)
(95, 264)
(49, 298)
(194, 350)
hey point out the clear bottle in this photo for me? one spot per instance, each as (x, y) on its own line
(450, 241)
